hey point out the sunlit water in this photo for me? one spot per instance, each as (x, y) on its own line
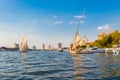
(53, 65)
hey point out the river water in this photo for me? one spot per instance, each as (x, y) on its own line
(53, 65)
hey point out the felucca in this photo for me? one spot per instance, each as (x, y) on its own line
(75, 46)
(24, 45)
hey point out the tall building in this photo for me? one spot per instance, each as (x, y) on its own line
(34, 47)
(16, 46)
(43, 46)
(49, 46)
(59, 45)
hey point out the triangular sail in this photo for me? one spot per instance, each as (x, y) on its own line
(24, 45)
(85, 40)
(76, 40)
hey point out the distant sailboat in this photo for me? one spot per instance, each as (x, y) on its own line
(24, 45)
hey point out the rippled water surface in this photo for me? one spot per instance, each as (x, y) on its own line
(53, 65)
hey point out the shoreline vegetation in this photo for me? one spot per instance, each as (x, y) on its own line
(108, 41)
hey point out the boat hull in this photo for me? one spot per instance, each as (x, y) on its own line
(81, 52)
(24, 51)
(112, 51)
(73, 52)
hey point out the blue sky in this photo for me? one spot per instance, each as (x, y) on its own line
(54, 21)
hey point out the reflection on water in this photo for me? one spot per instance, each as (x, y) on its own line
(96, 66)
(52, 65)
(85, 66)
(24, 54)
(77, 64)
(109, 65)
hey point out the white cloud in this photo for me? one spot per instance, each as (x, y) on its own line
(104, 27)
(55, 16)
(72, 22)
(99, 28)
(82, 21)
(79, 22)
(58, 22)
(79, 16)
(76, 22)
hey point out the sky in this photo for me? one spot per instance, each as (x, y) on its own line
(55, 21)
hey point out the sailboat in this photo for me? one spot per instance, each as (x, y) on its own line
(75, 47)
(24, 45)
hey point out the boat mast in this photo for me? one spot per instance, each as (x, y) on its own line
(82, 16)
(81, 19)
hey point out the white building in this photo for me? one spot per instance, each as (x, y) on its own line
(16, 46)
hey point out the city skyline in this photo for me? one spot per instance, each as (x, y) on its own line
(53, 22)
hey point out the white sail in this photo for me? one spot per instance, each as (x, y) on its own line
(24, 45)
(76, 40)
(85, 40)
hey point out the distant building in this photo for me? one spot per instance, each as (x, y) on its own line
(43, 46)
(49, 47)
(101, 36)
(34, 47)
(16, 46)
(59, 45)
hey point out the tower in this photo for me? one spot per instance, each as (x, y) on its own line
(43, 46)
(59, 45)
(16, 46)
